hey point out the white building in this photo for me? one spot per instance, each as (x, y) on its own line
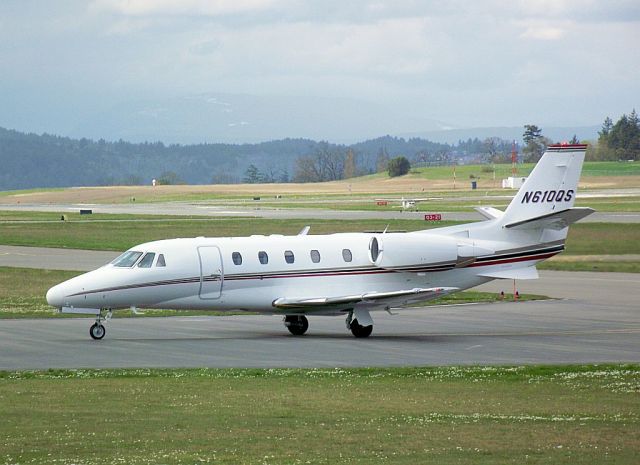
(513, 182)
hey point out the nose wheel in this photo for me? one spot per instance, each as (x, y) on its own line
(97, 330)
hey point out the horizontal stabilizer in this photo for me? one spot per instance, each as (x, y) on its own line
(408, 295)
(529, 272)
(557, 220)
(489, 213)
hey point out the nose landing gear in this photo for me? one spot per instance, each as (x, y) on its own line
(97, 330)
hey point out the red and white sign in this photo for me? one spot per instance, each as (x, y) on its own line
(433, 217)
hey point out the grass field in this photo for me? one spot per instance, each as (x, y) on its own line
(476, 415)
(105, 233)
(22, 295)
(439, 179)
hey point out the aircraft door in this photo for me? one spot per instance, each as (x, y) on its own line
(211, 272)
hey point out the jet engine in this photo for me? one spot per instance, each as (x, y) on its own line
(393, 251)
(401, 251)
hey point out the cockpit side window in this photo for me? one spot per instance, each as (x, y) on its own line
(161, 261)
(127, 259)
(147, 260)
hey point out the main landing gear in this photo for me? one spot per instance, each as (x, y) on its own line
(97, 330)
(296, 324)
(360, 324)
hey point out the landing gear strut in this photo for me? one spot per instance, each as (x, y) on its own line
(354, 325)
(97, 330)
(296, 324)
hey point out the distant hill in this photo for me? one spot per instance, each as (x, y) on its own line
(32, 160)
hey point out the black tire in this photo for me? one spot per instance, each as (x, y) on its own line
(296, 324)
(360, 331)
(97, 331)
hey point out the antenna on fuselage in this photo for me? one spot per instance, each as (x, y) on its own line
(385, 229)
(304, 231)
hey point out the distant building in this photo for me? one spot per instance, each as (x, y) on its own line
(513, 182)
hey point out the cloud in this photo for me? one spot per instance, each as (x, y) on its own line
(540, 32)
(181, 7)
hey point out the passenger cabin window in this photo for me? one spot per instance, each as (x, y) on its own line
(288, 256)
(237, 258)
(346, 254)
(147, 260)
(315, 256)
(161, 261)
(127, 259)
(263, 257)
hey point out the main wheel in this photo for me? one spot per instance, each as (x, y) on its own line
(296, 324)
(97, 331)
(360, 331)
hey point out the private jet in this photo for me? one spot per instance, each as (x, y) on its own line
(347, 274)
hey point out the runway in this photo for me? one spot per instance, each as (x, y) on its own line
(204, 210)
(595, 320)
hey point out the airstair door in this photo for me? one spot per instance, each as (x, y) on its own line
(211, 273)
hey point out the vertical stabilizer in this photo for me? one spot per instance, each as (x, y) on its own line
(551, 187)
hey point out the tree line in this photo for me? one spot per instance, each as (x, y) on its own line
(619, 140)
(32, 160)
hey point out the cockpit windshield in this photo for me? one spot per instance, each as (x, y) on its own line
(127, 259)
(147, 260)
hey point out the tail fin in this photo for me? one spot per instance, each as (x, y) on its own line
(550, 189)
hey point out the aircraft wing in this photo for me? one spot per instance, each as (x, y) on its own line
(401, 297)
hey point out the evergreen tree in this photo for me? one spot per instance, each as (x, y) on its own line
(534, 143)
(252, 175)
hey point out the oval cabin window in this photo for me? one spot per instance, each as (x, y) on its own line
(346, 254)
(288, 256)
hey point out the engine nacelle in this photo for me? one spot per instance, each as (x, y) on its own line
(398, 251)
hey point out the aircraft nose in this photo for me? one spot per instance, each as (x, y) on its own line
(55, 296)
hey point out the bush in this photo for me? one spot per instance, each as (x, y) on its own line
(398, 166)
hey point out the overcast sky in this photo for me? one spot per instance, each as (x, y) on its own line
(467, 63)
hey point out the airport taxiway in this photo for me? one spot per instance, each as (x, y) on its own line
(595, 319)
(204, 210)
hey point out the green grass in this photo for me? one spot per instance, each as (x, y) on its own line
(106, 232)
(603, 266)
(22, 295)
(610, 168)
(473, 415)
(603, 239)
(100, 234)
